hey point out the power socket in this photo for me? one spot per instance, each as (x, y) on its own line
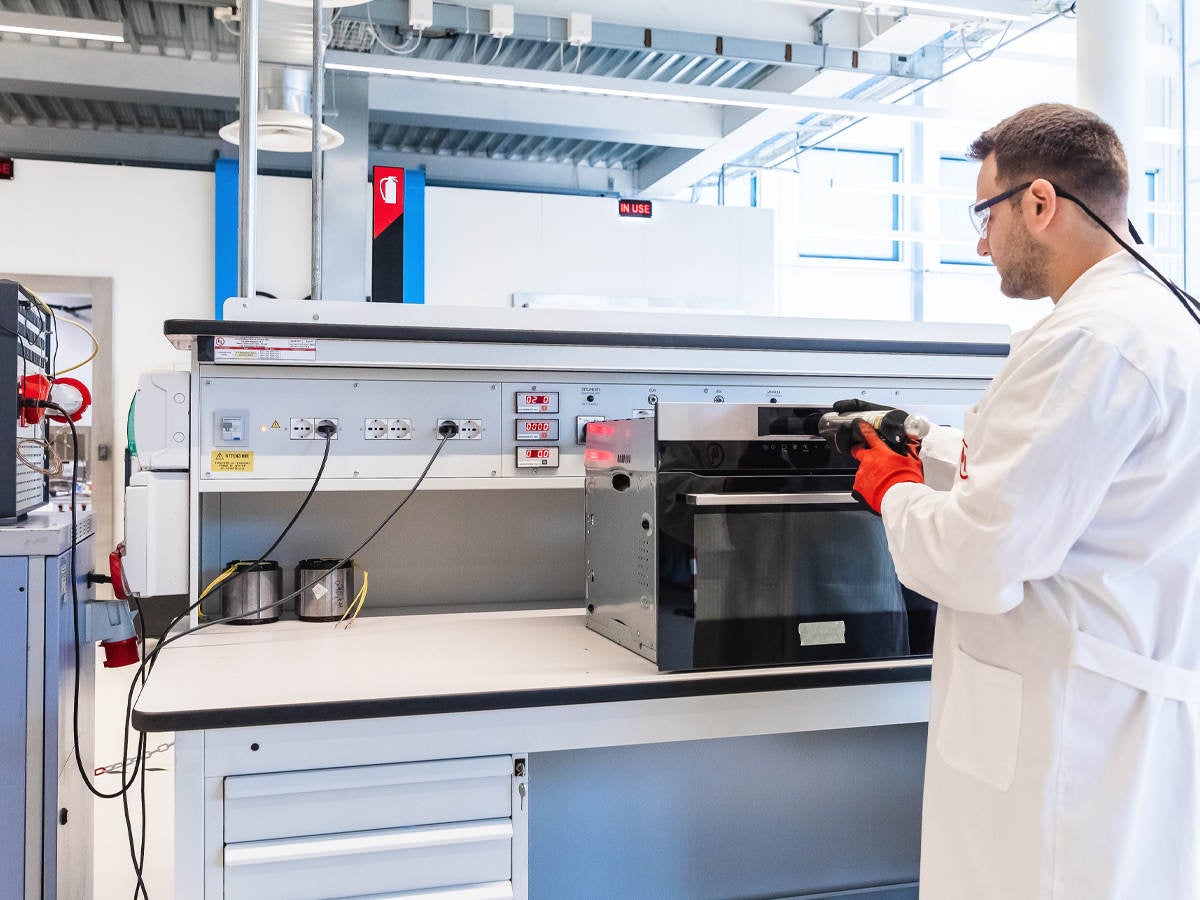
(468, 429)
(399, 429)
(337, 427)
(375, 429)
(303, 429)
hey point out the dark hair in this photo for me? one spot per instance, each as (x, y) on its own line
(1072, 147)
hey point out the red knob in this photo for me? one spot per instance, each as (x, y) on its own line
(120, 653)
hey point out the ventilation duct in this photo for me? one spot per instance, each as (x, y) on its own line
(284, 114)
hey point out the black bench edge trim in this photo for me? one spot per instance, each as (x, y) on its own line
(343, 710)
(203, 329)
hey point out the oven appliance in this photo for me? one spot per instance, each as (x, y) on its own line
(724, 535)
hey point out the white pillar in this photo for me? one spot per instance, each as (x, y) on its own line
(1110, 40)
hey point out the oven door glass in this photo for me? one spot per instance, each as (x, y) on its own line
(776, 578)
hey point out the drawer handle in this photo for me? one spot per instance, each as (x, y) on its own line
(284, 783)
(419, 837)
(769, 499)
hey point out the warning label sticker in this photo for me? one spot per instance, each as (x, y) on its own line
(240, 348)
(232, 461)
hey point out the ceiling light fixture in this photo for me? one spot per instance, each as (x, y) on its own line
(284, 131)
(284, 118)
(62, 27)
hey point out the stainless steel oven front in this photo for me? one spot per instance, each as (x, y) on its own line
(725, 535)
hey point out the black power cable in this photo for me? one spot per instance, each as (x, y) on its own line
(296, 593)
(137, 855)
(1189, 302)
(147, 665)
(148, 662)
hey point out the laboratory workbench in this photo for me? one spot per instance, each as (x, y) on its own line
(293, 672)
(502, 754)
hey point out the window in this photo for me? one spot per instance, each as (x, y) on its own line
(846, 204)
(957, 237)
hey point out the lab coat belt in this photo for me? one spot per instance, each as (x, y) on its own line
(1134, 669)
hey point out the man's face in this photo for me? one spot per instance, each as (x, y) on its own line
(1020, 260)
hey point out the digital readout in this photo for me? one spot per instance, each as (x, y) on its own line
(537, 457)
(537, 403)
(537, 429)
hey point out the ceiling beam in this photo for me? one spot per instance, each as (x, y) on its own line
(675, 170)
(481, 108)
(487, 172)
(125, 146)
(34, 141)
(93, 74)
(606, 86)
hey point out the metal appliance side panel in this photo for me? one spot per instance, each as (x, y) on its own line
(622, 557)
(68, 848)
(18, 736)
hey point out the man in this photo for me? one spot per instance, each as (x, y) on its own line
(1064, 739)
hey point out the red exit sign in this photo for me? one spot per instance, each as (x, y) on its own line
(636, 209)
(6, 167)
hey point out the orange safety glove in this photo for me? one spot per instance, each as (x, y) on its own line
(880, 468)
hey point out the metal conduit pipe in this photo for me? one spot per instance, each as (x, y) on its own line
(318, 171)
(248, 148)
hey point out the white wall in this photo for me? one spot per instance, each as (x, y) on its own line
(484, 246)
(151, 232)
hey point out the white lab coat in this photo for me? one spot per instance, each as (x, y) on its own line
(1064, 736)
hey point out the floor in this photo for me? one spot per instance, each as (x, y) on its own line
(112, 867)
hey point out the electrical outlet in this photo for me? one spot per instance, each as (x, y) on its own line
(375, 429)
(468, 429)
(303, 429)
(337, 426)
(399, 429)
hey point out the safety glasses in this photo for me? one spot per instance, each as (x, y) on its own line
(981, 212)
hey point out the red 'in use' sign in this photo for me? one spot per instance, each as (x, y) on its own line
(637, 209)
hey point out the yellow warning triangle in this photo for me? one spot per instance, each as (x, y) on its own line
(275, 424)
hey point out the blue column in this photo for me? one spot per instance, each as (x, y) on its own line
(414, 236)
(225, 232)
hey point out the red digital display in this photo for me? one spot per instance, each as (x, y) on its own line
(637, 209)
(537, 400)
(539, 427)
(537, 457)
(6, 167)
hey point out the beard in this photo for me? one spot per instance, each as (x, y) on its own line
(1023, 273)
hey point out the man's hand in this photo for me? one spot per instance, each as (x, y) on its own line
(880, 468)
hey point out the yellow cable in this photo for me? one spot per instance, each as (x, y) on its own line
(356, 604)
(40, 302)
(95, 348)
(217, 582)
